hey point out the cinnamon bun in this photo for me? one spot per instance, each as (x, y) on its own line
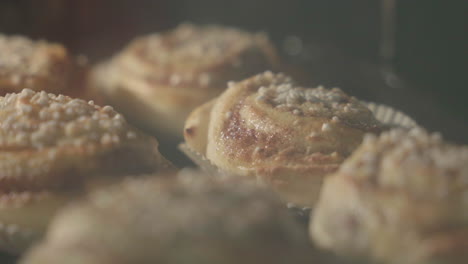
(40, 66)
(400, 198)
(159, 78)
(190, 218)
(286, 136)
(51, 148)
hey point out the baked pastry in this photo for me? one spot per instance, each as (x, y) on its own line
(400, 198)
(158, 79)
(40, 66)
(286, 136)
(190, 218)
(53, 147)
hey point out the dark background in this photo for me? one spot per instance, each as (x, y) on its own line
(340, 39)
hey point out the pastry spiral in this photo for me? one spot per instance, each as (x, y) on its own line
(190, 218)
(400, 198)
(51, 147)
(284, 135)
(158, 79)
(40, 66)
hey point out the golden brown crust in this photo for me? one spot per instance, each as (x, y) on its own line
(40, 66)
(190, 218)
(57, 144)
(287, 136)
(169, 74)
(196, 127)
(399, 198)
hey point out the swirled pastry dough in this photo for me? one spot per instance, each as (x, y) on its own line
(50, 146)
(400, 198)
(287, 136)
(40, 65)
(190, 218)
(158, 79)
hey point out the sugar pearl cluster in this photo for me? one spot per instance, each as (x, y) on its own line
(38, 119)
(193, 44)
(305, 101)
(410, 153)
(15, 51)
(281, 93)
(22, 55)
